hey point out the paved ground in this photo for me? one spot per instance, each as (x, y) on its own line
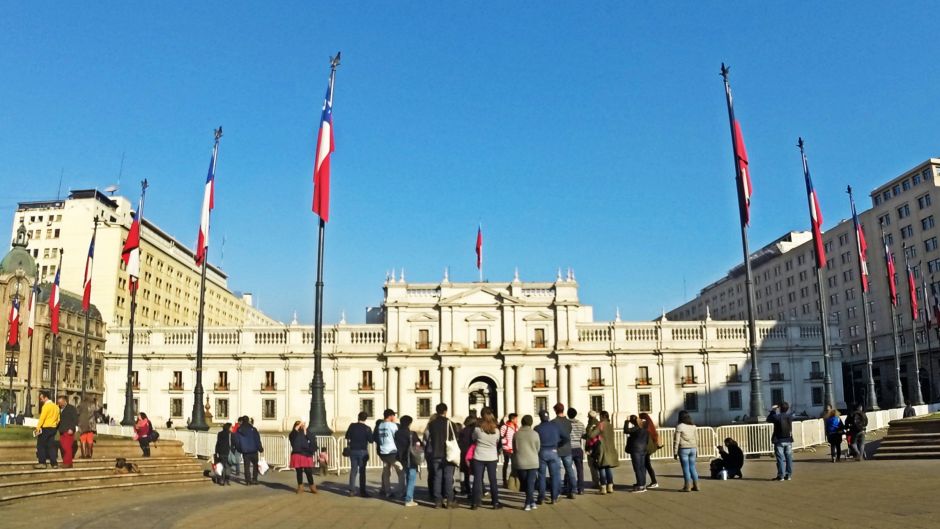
(868, 494)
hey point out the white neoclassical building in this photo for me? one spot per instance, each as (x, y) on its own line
(515, 346)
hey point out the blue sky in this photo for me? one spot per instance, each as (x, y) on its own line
(588, 138)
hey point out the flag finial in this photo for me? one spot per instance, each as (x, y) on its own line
(334, 60)
(218, 133)
(724, 71)
(799, 142)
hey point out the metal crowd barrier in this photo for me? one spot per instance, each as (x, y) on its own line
(754, 439)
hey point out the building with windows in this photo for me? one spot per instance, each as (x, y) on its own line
(169, 282)
(514, 346)
(785, 285)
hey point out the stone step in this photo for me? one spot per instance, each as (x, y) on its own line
(908, 448)
(108, 449)
(45, 483)
(98, 461)
(7, 476)
(29, 493)
(907, 455)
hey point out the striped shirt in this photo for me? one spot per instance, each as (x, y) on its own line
(577, 433)
(506, 432)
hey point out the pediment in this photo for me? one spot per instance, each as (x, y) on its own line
(480, 316)
(423, 317)
(538, 316)
(480, 295)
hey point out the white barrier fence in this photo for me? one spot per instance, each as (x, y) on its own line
(754, 439)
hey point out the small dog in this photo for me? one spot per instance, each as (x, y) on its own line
(123, 466)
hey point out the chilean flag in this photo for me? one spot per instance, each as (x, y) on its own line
(325, 147)
(745, 190)
(14, 335)
(208, 202)
(815, 213)
(480, 247)
(889, 260)
(912, 290)
(54, 302)
(31, 322)
(862, 248)
(86, 295)
(131, 252)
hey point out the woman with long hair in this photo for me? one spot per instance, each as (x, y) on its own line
(686, 449)
(834, 431)
(485, 456)
(637, 441)
(303, 445)
(144, 430)
(600, 435)
(652, 446)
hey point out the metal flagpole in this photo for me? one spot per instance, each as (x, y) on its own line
(198, 421)
(863, 281)
(756, 407)
(129, 411)
(899, 393)
(34, 295)
(56, 343)
(917, 398)
(927, 311)
(94, 232)
(318, 422)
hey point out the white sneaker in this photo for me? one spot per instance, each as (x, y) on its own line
(411, 504)
(653, 486)
(528, 508)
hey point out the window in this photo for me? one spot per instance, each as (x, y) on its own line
(734, 399)
(933, 265)
(850, 294)
(424, 407)
(833, 299)
(366, 382)
(597, 403)
(733, 374)
(907, 232)
(896, 190)
(644, 403)
(689, 376)
(884, 220)
(368, 406)
(176, 407)
(905, 185)
(135, 380)
(540, 381)
(269, 380)
(222, 382)
(177, 380)
(539, 341)
(803, 275)
(817, 396)
(775, 368)
(832, 281)
(482, 342)
(889, 238)
(843, 239)
(596, 379)
(916, 179)
(930, 244)
(424, 379)
(776, 396)
(691, 401)
(643, 375)
(850, 312)
(541, 403)
(221, 408)
(268, 409)
(424, 339)
(923, 201)
(848, 275)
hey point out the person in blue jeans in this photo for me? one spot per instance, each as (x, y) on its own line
(782, 419)
(685, 448)
(550, 438)
(358, 437)
(410, 455)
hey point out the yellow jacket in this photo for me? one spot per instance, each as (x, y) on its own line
(49, 416)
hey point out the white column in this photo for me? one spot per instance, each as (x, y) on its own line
(453, 389)
(388, 388)
(570, 386)
(507, 392)
(398, 389)
(443, 385)
(515, 388)
(560, 388)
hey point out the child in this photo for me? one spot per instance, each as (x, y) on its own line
(323, 461)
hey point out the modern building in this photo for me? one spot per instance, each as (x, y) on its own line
(514, 346)
(64, 375)
(169, 282)
(785, 285)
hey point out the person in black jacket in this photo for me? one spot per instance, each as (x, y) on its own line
(303, 444)
(68, 423)
(358, 437)
(637, 439)
(223, 449)
(439, 431)
(733, 458)
(405, 441)
(248, 442)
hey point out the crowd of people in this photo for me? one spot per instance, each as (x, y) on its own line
(75, 427)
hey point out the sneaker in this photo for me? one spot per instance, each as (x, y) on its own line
(411, 504)
(653, 486)
(638, 490)
(528, 508)
(570, 495)
(787, 477)
(534, 506)
(40, 466)
(778, 478)
(497, 506)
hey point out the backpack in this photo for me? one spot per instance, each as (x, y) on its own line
(154, 434)
(417, 451)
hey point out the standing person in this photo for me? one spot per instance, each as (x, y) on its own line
(410, 455)
(506, 433)
(248, 441)
(686, 449)
(834, 431)
(87, 427)
(782, 419)
(577, 447)
(358, 437)
(68, 424)
(439, 431)
(525, 459)
(388, 452)
(856, 424)
(464, 440)
(46, 448)
(550, 438)
(637, 439)
(564, 450)
(144, 429)
(909, 410)
(223, 451)
(485, 457)
(303, 444)
(733, 458)
(652, 447)
(236, 459)
(601, 440)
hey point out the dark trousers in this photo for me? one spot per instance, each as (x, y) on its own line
(507, 466)
(638, 459)
(300, 475)
(443, 480)
(649, 469)
(144, 445)
(835, 445)
(431, 472)
(577, 459)
(527, 482)
(490, 467)
(46, 447)
(357, 465)
(251, 467)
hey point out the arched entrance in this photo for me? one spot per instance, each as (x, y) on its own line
(482, 394)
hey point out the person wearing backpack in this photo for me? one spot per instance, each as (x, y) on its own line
(410, 455)
(834, 430)
(856, 424)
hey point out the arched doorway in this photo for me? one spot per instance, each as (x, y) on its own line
(482, 393)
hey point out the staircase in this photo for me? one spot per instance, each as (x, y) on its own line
(168, 464)
(911, 439)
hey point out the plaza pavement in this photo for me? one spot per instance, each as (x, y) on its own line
(881, 494)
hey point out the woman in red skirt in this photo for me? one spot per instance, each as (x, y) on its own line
(303, 445)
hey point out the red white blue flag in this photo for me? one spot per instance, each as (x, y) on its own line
(862, 248)
(479, 247)
(13, 337)
(912, 290)
(208, 202)
(741, 165)
(325, 147)
(86, 292)
(130, 254)
(889, 262)
(815, 213)
(31, 322)
(54, 302)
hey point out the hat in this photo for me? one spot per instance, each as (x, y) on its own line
(543, 415)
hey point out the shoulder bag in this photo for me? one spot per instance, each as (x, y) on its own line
(451, 447)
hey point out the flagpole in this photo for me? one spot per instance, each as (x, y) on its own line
(828, 396)
(756, 408)
(927, 307)
(29, 371)
(866, 311)
(11, 350)
(128, 419)
(56, 344)
(899, 394)
(917, 399)
(318, 422)
(94, 232)
(198, 419)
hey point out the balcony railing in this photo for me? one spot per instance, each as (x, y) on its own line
(366, 386)
(539, 344)
(734, 379)
(816, 375)
(776, 377)
(422, 346)
(481, 345)
(644, 381)
(423, 386)
(176, 387)
(136, 386)
(595, 382)
(539, 384)
(220, 386)
(266, 387)
(688, 381)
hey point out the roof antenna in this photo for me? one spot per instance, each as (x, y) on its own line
(58, 192)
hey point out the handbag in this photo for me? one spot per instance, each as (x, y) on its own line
(263, 466)
(470, 452)
(233, 458)
(451, 448)
(513, 482)
(345, 451)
